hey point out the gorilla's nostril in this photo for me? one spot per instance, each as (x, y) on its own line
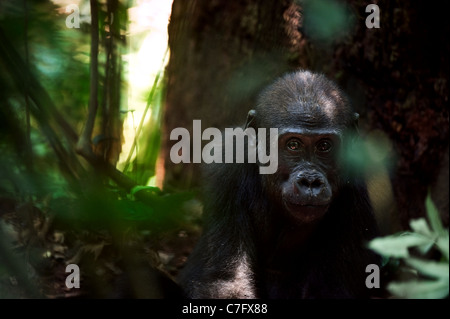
(310, 182)
(304, 182)
(317, 183)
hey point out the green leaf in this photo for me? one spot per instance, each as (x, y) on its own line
(421, 226)
(397, 246)
(433, 215)
(133, 210)
(426, 289)
(443, 244)
(438, 270)
(138, 188)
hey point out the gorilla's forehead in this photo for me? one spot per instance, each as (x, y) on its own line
(311, 109)
(304, 99)
(312, 117)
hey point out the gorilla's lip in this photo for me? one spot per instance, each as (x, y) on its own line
(306, 206)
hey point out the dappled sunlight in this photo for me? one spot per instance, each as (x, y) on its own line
(147, 43)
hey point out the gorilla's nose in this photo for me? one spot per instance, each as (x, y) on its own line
(310, 183)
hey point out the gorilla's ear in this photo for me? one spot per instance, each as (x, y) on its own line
(355, 122)
(250, 118)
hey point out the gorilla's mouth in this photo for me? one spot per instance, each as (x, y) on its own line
(307, 208)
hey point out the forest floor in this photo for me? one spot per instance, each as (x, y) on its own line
(35, 251)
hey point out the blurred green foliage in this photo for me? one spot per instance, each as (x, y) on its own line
(326, 21)
(415, 248)
(369, 153)
(45, 89)
(52, 63)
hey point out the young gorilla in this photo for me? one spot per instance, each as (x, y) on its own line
(298, 233)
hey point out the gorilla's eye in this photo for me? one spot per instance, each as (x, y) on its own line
(324, 146)
(293, 144)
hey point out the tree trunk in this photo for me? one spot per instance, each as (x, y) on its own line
(221, 54)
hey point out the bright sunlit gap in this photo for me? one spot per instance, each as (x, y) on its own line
(147, 41)
(147, 32)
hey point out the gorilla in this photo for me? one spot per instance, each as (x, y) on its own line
(301, 231)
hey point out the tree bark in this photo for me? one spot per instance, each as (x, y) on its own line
(221, 54)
